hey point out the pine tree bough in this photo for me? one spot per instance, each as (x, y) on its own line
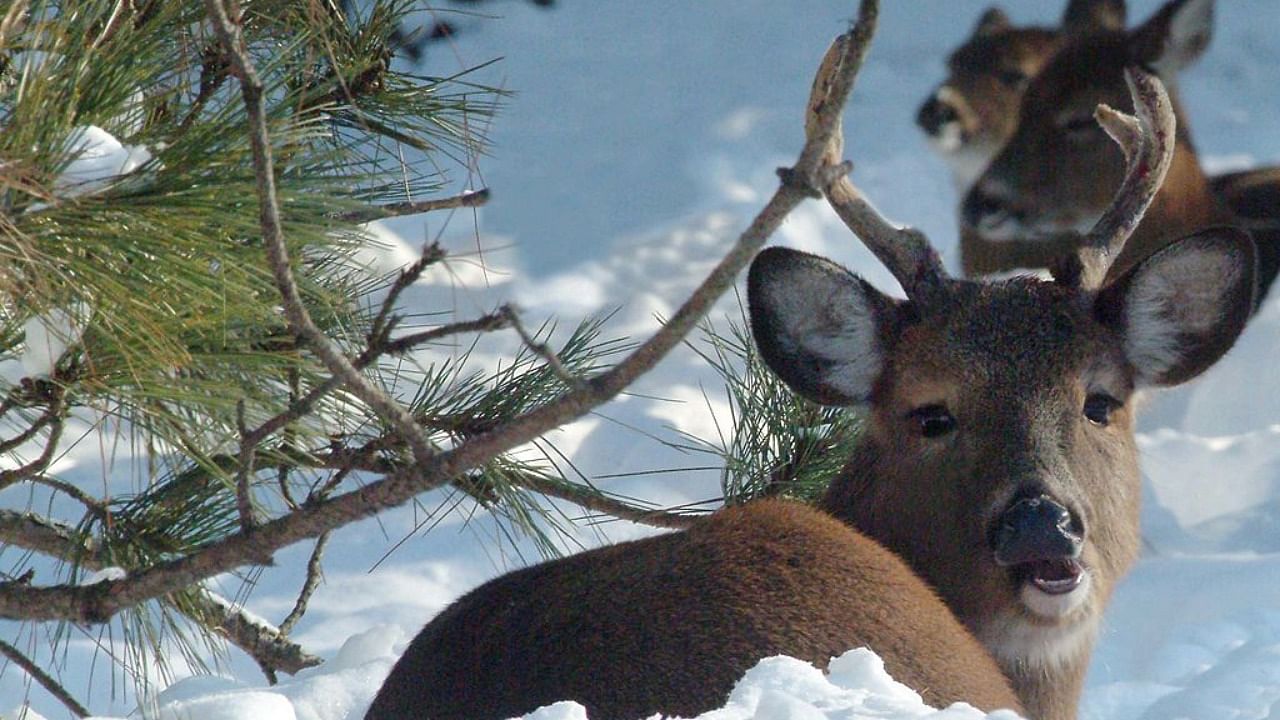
(432, 469)
(269, 646)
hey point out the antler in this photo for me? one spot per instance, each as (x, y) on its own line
(1147, 139)
(904, 251)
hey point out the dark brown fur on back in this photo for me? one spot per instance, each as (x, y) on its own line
(768, 578)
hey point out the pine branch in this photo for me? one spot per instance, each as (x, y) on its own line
(270, 647)
(430, 469)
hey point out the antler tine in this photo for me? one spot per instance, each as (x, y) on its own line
(1147, 141)
(904, 251)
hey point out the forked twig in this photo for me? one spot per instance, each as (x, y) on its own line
(905, 252)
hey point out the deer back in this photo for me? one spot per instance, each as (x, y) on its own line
(669, 624)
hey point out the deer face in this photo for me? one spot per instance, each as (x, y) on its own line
(975, 110)
(1059, 171)
(998, 458)
(1004, 421)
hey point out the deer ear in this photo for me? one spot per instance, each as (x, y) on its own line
(1087, 16)
(1182, 308)
(993, 21)
(818, 326)
(1174, 37)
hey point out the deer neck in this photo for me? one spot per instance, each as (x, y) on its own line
(1050, 694)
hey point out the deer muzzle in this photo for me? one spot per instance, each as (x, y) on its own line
(1037, 538)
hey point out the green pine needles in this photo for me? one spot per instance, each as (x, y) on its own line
(144, 327)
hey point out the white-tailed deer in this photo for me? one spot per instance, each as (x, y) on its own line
(1056, 174)
(998, 468)
(972, 113)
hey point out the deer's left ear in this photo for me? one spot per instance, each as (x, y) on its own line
(1181, 309)
(1174, 37)
(819, 327)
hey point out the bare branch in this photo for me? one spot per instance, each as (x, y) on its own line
(269, 646)
(50, 537)
(471, 198)
(1147, 141)
(905, 252)
(485, 323)
(45, 679)
(244, 473)
(8, 477)
(382, 325)
(314, 573)
(540, 349)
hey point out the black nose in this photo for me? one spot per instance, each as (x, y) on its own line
(934, 113)
(983, 203)
(1035, 529)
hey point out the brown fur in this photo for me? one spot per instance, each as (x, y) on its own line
(668, 624)
(974, 111)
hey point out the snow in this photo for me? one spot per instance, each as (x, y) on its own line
(856, 687)
(98, 160)
(618, 187)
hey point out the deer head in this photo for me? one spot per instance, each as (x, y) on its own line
(972, 113)
(999, 458)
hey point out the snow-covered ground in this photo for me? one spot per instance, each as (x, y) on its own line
(642, 138)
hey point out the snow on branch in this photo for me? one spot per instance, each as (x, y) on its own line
(430, 467)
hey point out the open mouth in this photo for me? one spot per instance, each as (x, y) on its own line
(1052, 589)
(1052, 577)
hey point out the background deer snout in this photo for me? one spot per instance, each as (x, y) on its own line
(988, 204)
(935, 114)
(1035, 529)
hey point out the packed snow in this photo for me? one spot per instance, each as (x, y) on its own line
(642, 139)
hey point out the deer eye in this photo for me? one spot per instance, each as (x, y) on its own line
(1011, 78)
(933, 420)
(1098, 408)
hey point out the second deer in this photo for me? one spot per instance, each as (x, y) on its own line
(1056, 173)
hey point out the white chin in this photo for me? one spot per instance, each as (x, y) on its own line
(949, 138)
(1054, 607)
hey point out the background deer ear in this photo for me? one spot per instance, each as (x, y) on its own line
(1174, 37)
(1087, 16)
(817, 325)
(1182, 308)
(993, 20)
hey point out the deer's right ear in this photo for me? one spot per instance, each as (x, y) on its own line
(1182, 309)
(817, 325)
